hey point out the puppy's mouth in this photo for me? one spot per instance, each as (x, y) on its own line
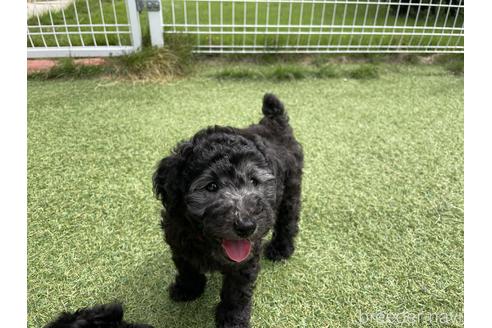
(236, 250)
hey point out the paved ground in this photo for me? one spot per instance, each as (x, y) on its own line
(39, 65)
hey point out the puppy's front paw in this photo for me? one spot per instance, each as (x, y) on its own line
(232, 325)
(187, 290)
(277, 252)
(231, 317)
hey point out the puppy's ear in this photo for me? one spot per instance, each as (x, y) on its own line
(167, 180)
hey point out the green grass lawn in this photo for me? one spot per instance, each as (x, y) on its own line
(382, 216)
(244, 13)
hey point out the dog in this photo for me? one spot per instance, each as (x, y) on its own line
(222, 191)
(99, 316)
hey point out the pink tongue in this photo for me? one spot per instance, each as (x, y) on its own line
(237, 250)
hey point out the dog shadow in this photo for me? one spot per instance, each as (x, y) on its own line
(143, 290)
(144, 294)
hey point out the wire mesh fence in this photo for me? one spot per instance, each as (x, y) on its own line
(316, 26)
(112, 27)
(81, 27)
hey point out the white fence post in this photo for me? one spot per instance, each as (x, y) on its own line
(134, 20)
(154, 11)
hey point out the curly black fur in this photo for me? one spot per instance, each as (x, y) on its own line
(100, 316)
(228, 183)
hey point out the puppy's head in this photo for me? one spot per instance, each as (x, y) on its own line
(222, 183)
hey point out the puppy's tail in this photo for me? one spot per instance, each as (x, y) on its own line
(273, 109)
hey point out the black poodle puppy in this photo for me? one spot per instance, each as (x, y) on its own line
(100, 316)
(222, 191)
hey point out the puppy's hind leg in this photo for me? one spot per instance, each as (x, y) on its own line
(189, 283)
(286, 227)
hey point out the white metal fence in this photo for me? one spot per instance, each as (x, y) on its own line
(111, 27)
(82, 28)
(316, 26)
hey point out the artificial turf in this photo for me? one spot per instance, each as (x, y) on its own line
(382, 217)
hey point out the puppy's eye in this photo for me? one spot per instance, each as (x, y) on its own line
(212, 187)
(254, 181)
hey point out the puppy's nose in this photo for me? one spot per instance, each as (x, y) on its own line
(244, 228)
